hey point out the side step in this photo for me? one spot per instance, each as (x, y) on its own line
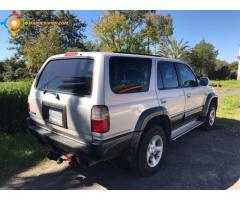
(185, 129)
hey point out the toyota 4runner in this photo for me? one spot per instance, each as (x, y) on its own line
(92, 106)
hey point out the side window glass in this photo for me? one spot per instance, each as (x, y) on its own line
(129, 74)
(187, 77)
(169, 75)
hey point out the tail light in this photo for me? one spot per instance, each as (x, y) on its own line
(100, 119)
(28, 107)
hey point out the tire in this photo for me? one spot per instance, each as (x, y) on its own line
(146, 154)
(211, 117)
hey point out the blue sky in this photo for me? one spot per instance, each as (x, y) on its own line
(221, 28)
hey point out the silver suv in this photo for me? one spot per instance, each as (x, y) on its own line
(92, 106)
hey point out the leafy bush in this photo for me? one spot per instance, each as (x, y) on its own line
(13, 105)
(1, 77)
(21, 73)
(222, 73)
(8, 76)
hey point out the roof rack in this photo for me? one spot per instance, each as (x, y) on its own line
(142, 54)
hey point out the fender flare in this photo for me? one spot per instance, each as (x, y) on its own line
(142, 121)
(147, 115)
(209, 99)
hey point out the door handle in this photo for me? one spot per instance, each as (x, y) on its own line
(163, 101)
(188, 95)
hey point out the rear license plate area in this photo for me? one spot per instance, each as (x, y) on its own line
(54, 114)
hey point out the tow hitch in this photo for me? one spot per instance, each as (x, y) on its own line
(59, 158)
(73, 160)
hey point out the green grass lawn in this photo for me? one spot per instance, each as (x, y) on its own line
(229, 102)
(229, 107)
(18, 152)
(228, 112)
(226, 83)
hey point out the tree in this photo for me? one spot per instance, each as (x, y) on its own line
(203, 57)
(37, 50)
(158, 28)
(233, 70)
(8, 76)
(22, 73)
(12, 63)
(173, 49)
(71, 34)
(8, 68)
(223, 70)
(1, 67)
(222, 73)
(131, 31)
(92, 46)
(31, 42)
(110, 31)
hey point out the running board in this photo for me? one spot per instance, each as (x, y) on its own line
(185, 129)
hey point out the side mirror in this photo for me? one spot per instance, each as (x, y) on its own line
(204, 81)
(193, 83)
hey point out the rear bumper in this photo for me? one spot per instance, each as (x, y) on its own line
(94, 151)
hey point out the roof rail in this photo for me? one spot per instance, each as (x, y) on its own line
(143, 54)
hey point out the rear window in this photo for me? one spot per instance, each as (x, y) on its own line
(72, 76)
(129, 75)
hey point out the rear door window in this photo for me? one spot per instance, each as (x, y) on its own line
(73, 76)
(129, 74)
(168, 74)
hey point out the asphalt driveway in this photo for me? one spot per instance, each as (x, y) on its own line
(198, 160)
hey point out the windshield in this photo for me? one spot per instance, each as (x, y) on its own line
(72, 76)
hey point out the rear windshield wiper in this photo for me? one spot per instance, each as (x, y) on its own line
(50, 92)
(45, 87)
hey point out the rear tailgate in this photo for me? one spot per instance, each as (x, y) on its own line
(61, 99)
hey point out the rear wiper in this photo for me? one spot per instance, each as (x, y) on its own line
(53, 93)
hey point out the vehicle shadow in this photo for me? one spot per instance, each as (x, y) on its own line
(200, 160)
(19, 152)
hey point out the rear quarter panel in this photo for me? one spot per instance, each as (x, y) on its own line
(125, 109)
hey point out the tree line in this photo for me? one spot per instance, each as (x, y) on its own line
(146, 32)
